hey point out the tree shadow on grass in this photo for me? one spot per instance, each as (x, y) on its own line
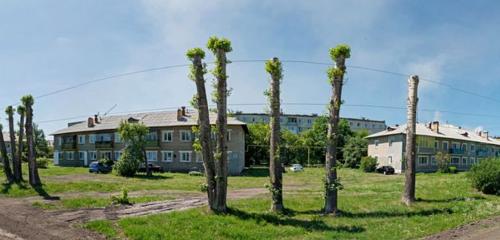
(8, 185)
(46, 196)
(386, 214)
(448, 200)
(309, 225)
(154, 177)
(255, 172)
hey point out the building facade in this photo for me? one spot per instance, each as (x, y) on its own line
(465, 147)
(169, 142)
(297, 123)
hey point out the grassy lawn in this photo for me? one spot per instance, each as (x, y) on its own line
(370, 205)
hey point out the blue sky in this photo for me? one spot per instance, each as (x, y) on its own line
(48, 45)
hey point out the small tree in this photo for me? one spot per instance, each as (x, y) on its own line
(134, 136)
(368, 164)
(16, 162)
(355, 148)
(273, 67)
(443, 161)
(5, 158)
(220, 47)
(128, 164)
(34, 177)
(336, 78)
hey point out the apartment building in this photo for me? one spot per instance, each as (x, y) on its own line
(465, 147)
(6, 138)
(297, 123)
(169, 142)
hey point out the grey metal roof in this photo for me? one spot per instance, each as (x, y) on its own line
(150, 119)
(445, 131)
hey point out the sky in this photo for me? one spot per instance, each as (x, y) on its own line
(51, 44)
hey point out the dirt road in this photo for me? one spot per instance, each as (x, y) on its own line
(486, 229)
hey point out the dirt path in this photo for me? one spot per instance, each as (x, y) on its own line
(486, 229)
(16, 214)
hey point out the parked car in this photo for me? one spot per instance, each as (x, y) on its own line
(153, 167)
(386, 170)
(96, 167)
(296, 168)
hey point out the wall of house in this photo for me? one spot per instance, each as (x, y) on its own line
(388, 150)
(82, 152)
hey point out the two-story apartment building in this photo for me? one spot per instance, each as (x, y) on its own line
(465, 147)
(6, 138)
(297, 123)
(169, 142)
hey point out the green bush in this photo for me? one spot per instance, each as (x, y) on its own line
(106, 161)
(485, 176)
(43, 162)
(195, 173)
(128, 164)
(122, 199)
(368, 164)
(452, 169)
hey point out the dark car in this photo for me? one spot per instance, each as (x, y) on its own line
(96, 167)
(153, 167)
(386, 170)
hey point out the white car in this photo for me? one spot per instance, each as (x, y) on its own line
(296, 168)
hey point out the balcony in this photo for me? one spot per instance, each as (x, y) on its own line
(481, 153)
(152, 144)
(69, 146)
(426, 150)
(456, 151)
(104, 144)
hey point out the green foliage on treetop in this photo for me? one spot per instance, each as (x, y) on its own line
(21, 110)
(215, 43)
(27, 100)
(341, 50)
(274, 68)
(334, 72)
(9, 110)
(193, 52)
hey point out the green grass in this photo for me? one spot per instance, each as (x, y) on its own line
(370, 204)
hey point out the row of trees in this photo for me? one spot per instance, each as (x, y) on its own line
(26, 127)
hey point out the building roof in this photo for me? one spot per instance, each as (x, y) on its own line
(307, 115)
(150, 119)
(445, 131)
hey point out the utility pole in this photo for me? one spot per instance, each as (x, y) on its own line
(409, 191)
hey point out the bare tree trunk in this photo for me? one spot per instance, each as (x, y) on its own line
(221, 124)
(22, 113)
(409, 192)
(13, 152)
(5, 158)
(331, 182)
(205, 131)
(275, 168)
(34, 178)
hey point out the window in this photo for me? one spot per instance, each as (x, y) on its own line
(423, 160)
(389, 159)
(151, 156)
(454, 145)
(167, 136)
(59, 141)
(105, 137)
(433, 161)
(105, 154)
(464, 161)
(390, 141)
(92, 138)
(185, 135)
(436, 145)
(472, 147)
(199, 157)
(464, 147)
(81, 139)
(82, 155)
(185, 156)
(167, 156)
(118, 154)
(92, 155)
(229, 135)
(472, 161)
(56, 157)
(455, 160)
(69, 155)
(118, 139)
(376, 143)
(229, 156)
(152, 137)
(445, 146)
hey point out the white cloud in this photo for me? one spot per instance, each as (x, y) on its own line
(428, 69)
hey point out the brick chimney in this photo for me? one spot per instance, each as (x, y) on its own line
(435, 126)
(90, 122)
(179, 114)
(183, 109)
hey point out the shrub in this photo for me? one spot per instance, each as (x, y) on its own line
(195, 173)
(106, 161)
(43, 162)
(443, 162)
(485, 176)
(452, 169)
(128, 164)
(368, 164)
(122, 199)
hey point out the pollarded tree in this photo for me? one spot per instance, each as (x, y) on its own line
(21, 110)
(336, 76)
(5, 158)
(13, 153)
(219, 47)
(198, 70)
(274, 68)
(34, 177)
